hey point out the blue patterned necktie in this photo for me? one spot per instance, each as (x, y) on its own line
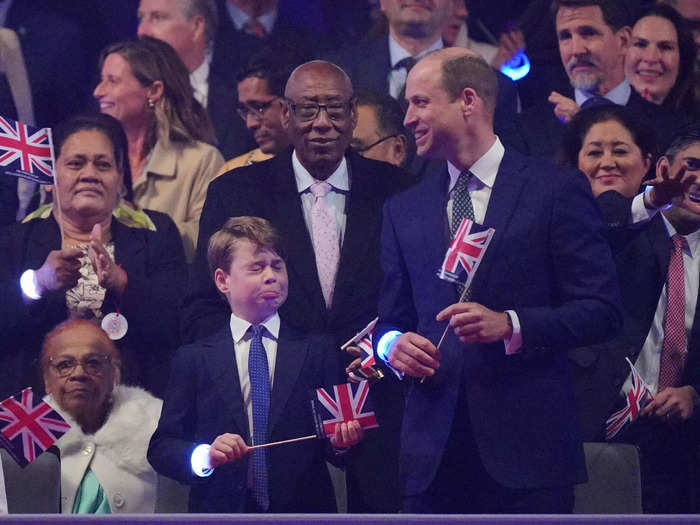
(462, 208)
(259, 374)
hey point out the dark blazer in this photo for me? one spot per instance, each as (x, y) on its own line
(204, 400)
(599, 371)
(538, 132)
(155, 265)
(268, 189)
(368, 64)
(549, 262)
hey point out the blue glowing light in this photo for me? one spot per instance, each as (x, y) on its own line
(517, 67)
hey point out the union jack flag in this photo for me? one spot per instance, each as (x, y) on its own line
(465, 252)
(636, 398)
(346, 402)
(26, 151)
(27, 428)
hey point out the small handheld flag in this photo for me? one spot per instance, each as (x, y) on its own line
(27, 428)
(465, 252)
(26, 151)
(344, 403)
(636, 398)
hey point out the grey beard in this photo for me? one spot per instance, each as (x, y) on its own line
(586, 81)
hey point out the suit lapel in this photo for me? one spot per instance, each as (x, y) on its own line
(291, 355)
(502, 204)
(360, 217)
(128, 243)
(220, 357)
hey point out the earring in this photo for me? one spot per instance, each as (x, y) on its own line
(151, 104)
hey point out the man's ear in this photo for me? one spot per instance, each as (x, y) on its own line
(467, 100)
(286, 115)
(398, 149)
(221, 281)
(624, 37)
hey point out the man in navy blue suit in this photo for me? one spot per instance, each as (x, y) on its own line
(492, 428)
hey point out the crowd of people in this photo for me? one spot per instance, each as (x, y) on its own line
(253, 182)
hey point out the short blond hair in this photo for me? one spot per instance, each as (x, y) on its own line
(222, 244)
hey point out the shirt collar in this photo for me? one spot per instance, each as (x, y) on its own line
(693, 239)
(200, 75)
(485, 168)
(239, 327)
(339, 179)
(398, 53)
(240, 17)
(620, 94)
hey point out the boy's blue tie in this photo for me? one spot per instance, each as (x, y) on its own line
(259, 374)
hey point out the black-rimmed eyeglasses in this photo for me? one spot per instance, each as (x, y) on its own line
(254, 109)
(359, 148)
(93, 364)
(307, 111)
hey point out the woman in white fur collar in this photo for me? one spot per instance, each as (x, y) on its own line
(103, 457)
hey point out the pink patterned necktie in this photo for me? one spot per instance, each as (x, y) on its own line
(324, 230)
(674, 351)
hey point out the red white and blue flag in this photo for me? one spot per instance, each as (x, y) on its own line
(26, 151)
(27, 428)
(344, 403)
(636, 398)
(465, 252)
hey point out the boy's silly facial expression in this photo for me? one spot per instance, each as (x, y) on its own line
(256, 284)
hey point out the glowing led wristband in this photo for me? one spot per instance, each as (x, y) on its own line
(517, 67)
(200, 461)
(385, 342)
(28, 284)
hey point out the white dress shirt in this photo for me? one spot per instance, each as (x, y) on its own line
(650, 356)
(620, 94)
(199, 79)
(335, 199)
(241, 342)
(397, 77)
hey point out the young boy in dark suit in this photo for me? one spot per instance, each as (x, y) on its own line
(250, 383)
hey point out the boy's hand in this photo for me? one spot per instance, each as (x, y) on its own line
(227, 448)
(347, 434)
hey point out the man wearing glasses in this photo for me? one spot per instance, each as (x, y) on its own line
(326, 201)
(260, 104)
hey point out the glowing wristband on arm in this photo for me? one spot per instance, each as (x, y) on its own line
(200, 461)
(27, 282)
(517, 67)
(385, 343)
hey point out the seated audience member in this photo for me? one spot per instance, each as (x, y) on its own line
(103, 456)
(455, 33)
(260, 104)
(612, 145)
(146, 87)
(659, 62)
(593, 36)
(658, 264)
(379, 133)
(249, 383)
(82, 258)
(190, 27)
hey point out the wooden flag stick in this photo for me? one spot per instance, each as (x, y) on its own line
(444, 334)
(265, 445)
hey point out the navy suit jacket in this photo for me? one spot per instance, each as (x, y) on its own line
(538, 132)
(204, 400)
(599, 371)
(549, 262)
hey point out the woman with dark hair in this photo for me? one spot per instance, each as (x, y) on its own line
(659, 62)
(85, 257)
(146, 87)
(613, 146)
